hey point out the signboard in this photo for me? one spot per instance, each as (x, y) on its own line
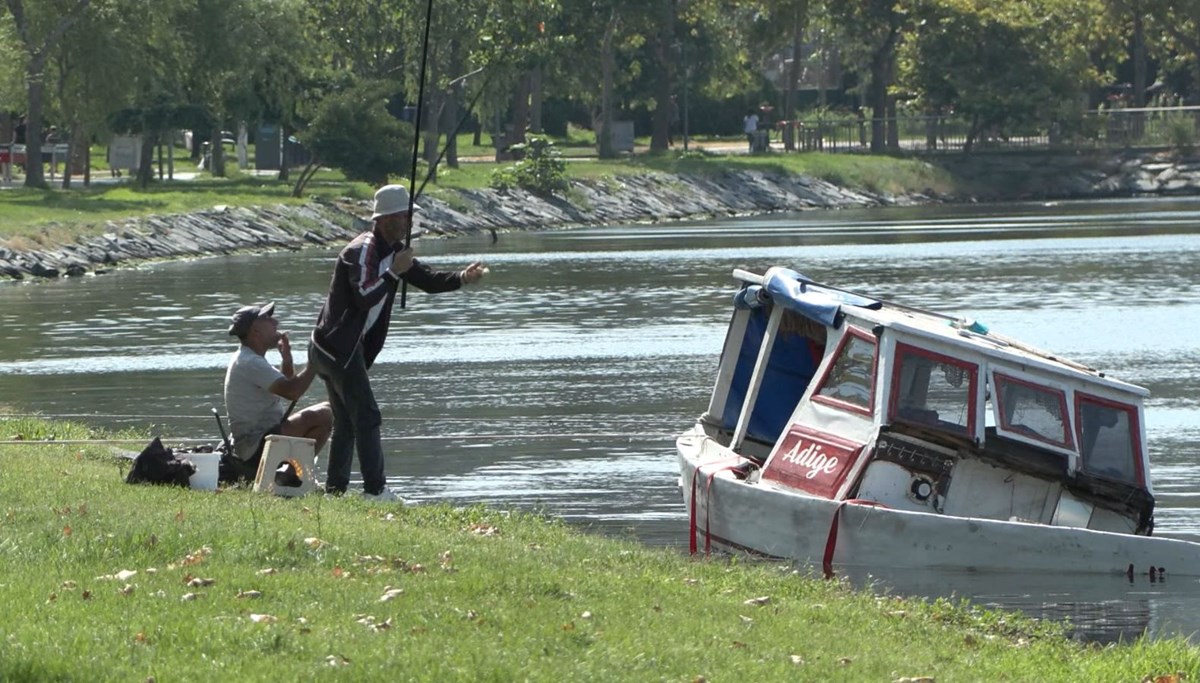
(812, 461)
(124, 152)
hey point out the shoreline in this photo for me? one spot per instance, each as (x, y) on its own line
(644, 197)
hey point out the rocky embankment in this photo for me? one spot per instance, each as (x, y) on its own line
(631, 199)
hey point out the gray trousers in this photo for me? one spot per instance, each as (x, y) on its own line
(356, 421)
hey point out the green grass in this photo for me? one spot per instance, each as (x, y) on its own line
(31, 218)
(241, 586)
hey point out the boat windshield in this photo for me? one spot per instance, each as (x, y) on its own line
(850, 383)
(1108, 434)
(1033, 411)
(933, 390)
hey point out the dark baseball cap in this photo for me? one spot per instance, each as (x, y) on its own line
(240, 322)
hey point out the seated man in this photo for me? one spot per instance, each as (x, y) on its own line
(255, 391)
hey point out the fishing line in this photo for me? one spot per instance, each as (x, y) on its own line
(653, 436)
(475, 420)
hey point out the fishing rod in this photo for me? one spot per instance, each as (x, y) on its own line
(412, 177)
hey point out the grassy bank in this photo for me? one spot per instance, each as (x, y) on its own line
(33, 219)
(239, 586)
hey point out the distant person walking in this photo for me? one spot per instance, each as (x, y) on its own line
(750, 127)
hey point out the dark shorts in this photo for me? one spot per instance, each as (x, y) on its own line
(247, 470)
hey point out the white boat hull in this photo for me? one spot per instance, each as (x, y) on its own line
(730, 514)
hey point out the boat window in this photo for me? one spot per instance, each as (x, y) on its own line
(1033, 410)
(850, 382)
(1108, 437)
(933, 390)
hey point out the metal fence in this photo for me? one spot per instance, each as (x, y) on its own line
(1173, 127)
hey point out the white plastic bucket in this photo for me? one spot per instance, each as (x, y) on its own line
(207, 467)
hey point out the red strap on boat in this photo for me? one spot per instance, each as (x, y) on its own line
(831, 540)
(692, 513)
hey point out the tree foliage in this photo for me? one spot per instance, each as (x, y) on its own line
(353, 132)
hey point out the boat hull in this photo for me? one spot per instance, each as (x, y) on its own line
(729, 513)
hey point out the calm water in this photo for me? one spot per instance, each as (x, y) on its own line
(560, 384)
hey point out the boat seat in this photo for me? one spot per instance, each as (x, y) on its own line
(278, 450)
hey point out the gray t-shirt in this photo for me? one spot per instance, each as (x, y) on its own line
(251, 406)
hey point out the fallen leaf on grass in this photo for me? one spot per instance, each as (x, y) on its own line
(52, 598)
(67, 530)
(484, 530)
(691, 582)
(263, 618)
(86, 595)
(417, 568)
(337, 660)
(188, 597)
(339, 573)
(268, 571)
(249, 595)
(140, 638)
(738, 645)
(569, 626)
(746, 619)
(197, 582)
(127, 589)
(585, 615)
(760, 601)
(370, 623)
(1168, 678)
(917, 679)
(69, 585)
(797, 660)
(390, 593)
(123, 575)
(845, 661)
(313, 542)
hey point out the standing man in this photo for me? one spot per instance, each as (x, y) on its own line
(256, 391)
(750, 127)
(351, 329)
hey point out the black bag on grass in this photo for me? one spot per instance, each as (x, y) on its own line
(157, 464)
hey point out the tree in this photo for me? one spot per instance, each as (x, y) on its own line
(39, 32)
(354, 132)
(872, 31)
(1004, 66)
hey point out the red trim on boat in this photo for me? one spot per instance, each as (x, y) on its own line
(707, 488)
(831, 540)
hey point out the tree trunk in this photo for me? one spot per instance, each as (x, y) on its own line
(432, 123)
(284, 175)
(893, 135)
(146, 162)
(877, 100)
(607, 69)
(664, 40)
(535, 99)
(34, 177)
(453, 127)
(1139, 59)
(789, 98)
(883, 68)
(520, 111)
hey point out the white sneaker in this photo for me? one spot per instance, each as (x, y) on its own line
(385, 496)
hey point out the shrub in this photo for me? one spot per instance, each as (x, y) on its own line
(541, 171)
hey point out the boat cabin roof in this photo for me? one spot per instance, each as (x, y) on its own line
(968, 338)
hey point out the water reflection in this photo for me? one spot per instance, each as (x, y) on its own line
(560, 385)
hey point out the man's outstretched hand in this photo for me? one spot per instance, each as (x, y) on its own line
(473, 273)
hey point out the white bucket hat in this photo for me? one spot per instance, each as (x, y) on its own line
(391, 199)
